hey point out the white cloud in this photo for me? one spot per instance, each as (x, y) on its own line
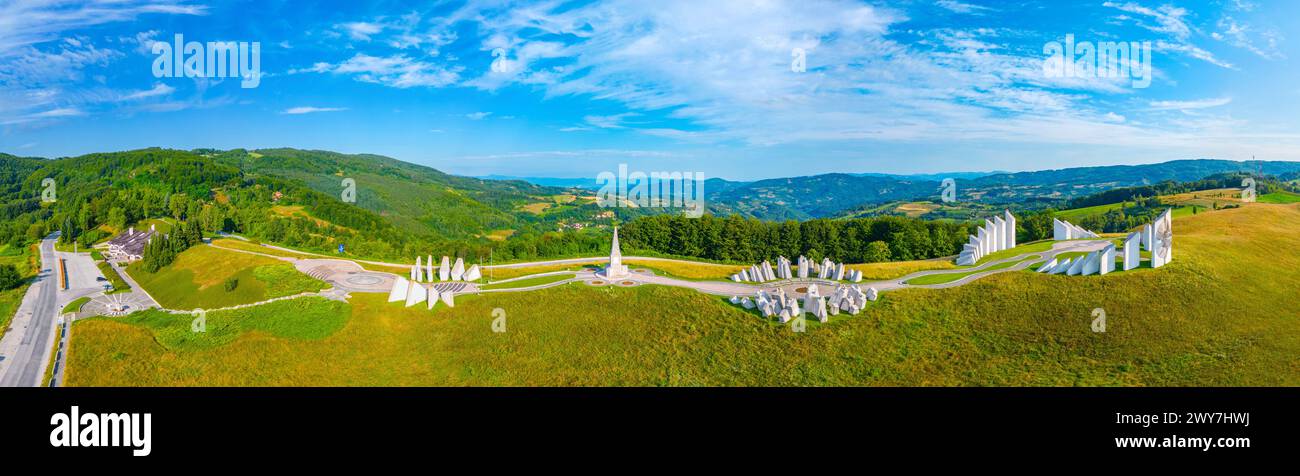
(311, 109)
(399, 71)
(360, 30)
(25, 23)
(961, 7)
(612, 121)
(158, 89)
(1171, 21)
(58, 113)
(478, 116)
(1239, 34)
(43, 71)
(1189, 105)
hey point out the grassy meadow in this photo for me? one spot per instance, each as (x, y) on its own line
(110, 273)
(523, 283)
(198, 279)
(26, 260)
(1280, 197)
(898, 269)
(950, 277)
(1222, 313)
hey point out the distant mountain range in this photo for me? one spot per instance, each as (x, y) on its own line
(419, 199)
(591, 184)
(830, 195)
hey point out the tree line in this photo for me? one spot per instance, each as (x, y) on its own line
(748, 240)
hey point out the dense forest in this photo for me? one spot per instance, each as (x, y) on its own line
(748, 240)
(99, 195)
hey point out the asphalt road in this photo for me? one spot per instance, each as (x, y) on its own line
(25, 366)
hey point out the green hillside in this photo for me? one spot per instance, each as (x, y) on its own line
(402, 209)
(1221, 314)
(206, 277)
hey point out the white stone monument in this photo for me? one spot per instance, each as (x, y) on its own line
(615, 269)
(417, 294)
(1162, 238)
(400, 288)
(1009, 233)
(1132, 250)
(473, 274)
(1107, 257)
(458, 270)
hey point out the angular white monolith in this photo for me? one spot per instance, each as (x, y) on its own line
(417, 294)
(400, 287)
(458, 270)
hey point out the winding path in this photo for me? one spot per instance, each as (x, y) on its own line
(338, 272)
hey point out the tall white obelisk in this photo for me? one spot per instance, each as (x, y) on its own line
(616, 268)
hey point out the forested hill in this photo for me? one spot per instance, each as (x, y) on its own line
(415, 198)
(289, 197)
(831, 195)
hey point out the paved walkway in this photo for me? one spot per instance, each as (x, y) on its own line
(26, 347)
(719, 288)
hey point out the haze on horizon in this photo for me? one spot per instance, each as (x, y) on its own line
(569, 89)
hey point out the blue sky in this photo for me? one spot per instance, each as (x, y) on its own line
(690, 85)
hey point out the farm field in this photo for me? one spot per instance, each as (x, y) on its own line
(1279, 197)
(199, 277)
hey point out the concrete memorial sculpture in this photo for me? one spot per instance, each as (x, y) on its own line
(997, 234)
(1061, 267)
(1091, 264)
(1107, 257)
(615, 269)
(1162, 239)
(417, 294)
(400, 287)
(458, 270)
(1063, 230)
(1132, 250)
